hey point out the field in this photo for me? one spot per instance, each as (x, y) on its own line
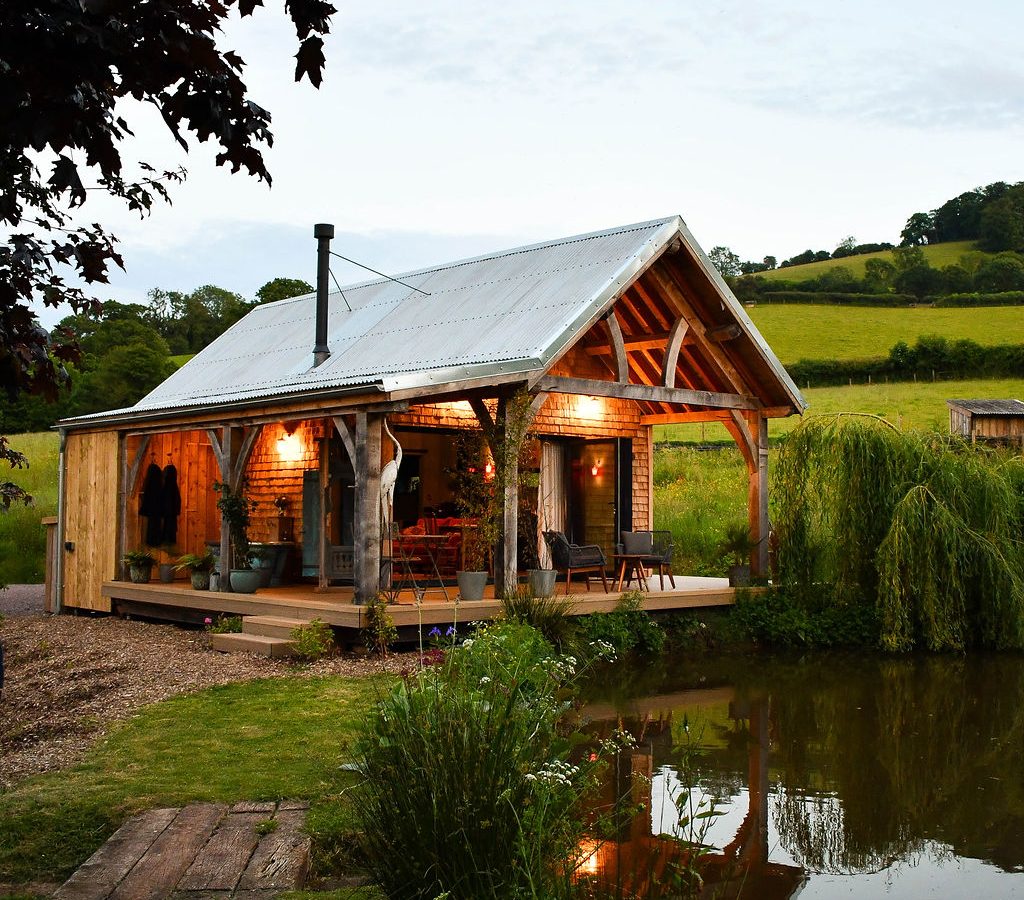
(938, 255)
(22, 537)
(798, 332)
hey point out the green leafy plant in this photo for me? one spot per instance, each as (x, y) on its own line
(313, 640)
(628, 628)
(551, 616)
(467, 786)
(138, 558)
(379, 633)
(737, 544)
(196, 562)
(224, 625)
(236, 508)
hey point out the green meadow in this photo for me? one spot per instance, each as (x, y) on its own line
(798, 332)
(938, 255)
(22, 536)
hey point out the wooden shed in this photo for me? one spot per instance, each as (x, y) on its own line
(607, 334)
(994, 421)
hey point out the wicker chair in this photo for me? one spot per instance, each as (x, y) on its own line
(583, 560)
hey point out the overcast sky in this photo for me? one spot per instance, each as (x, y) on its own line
(448, 129)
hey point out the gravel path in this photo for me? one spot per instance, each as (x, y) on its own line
(22, 600)
(69, 677)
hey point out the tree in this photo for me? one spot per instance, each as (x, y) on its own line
(1001, 224)
(920, 229)
(878, 274)
(727, 262)
(1004, 272)
(68, 66)
(770, 262)
(283, 289)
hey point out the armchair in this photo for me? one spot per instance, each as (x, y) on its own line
(583, 560)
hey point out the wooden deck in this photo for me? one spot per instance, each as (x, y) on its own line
(335, 606)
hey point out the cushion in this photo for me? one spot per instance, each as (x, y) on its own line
(639, 542)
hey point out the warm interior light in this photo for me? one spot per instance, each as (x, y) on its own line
(489, 470)
(289, 447)
(590, 407)
(590, 863)
(595, 469)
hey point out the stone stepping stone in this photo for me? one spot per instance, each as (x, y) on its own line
(205, 850)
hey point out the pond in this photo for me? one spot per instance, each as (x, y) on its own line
(828, 775)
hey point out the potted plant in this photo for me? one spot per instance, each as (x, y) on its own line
(168, 568)
(737, 546)
(236, 507)
(199, 567)
(140, 565)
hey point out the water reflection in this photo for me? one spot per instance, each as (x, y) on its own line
(857, 774)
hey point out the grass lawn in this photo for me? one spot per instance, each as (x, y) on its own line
(22, 537)
(938, 255)
(258, 740)
(911, 404)
(797, 331)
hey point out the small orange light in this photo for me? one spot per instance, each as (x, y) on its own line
(289, 447)
(595, 470)
(489, 470)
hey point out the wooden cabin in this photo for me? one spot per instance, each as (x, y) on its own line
(993, 421)
(606, 335)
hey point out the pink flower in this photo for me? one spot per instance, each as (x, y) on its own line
(207, 621)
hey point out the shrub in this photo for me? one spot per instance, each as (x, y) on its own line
(551, 616)
(379, 633)
(777, 618)
(628, 629)
(467, 788)
(314, 640)
(224, 625)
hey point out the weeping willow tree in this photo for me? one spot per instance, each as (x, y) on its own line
(924, 527)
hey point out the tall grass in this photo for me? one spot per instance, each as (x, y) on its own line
(22, 536)
(697, 494)
(467, 791)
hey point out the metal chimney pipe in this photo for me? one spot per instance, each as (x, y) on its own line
(323, 234)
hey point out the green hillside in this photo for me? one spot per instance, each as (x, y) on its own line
(912, 404)
(851, 332)
(938, 255)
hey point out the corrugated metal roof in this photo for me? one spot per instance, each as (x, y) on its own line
(990, 407)
(500, 314)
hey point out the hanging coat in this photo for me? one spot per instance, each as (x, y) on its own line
(171, 505)
(151, 505)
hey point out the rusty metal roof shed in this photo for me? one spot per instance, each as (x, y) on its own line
(499, 315)
(989, 407)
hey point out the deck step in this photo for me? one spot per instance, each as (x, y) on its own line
(260, 644)
(272, 626)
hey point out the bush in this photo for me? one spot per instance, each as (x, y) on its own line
(314, 640)
(1003, 298)
(838, 298)
(777, 618)
(550, 616)
(628, 629)
(380, 632)
(467, 790)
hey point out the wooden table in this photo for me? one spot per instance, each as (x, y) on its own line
(636, 565)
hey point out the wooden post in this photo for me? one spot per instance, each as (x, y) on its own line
(324, 486)
(367, 506)
(509, 578)
(758, 493)
(224, 462)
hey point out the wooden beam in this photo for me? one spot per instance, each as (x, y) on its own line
(222, 452)
(510, 503)
(483, 416)
(759, 496)
(611, 323)
(709, 415)
(347, 438)
(643, 392)
(721, 333)
(675, 343)
(249, 436)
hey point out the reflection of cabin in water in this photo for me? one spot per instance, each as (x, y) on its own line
(993, 421)
(639, 859)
